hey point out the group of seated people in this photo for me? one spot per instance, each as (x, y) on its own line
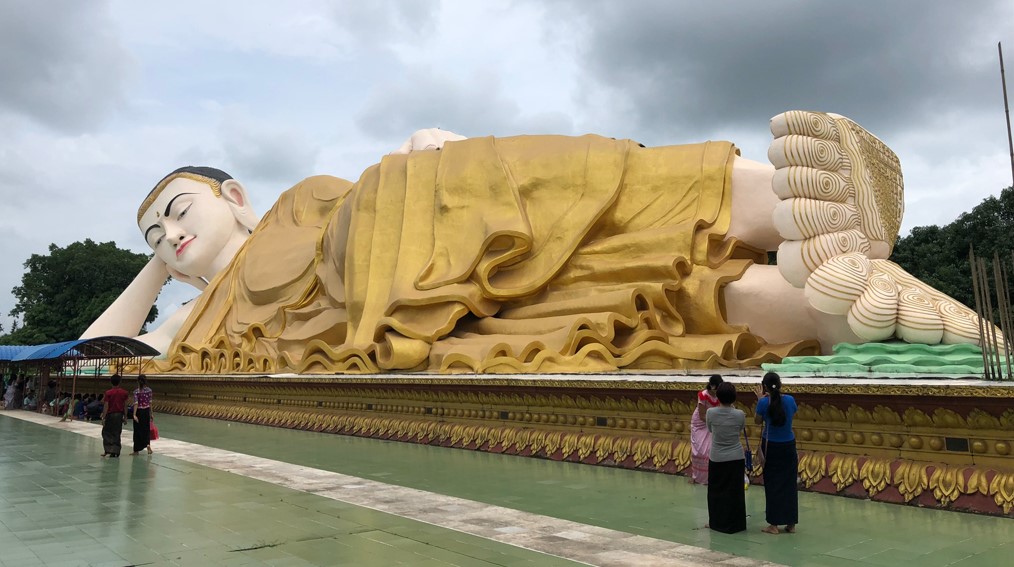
(17, 395)
(88, 407)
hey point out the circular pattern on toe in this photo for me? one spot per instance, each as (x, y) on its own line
(806, 123)
(819, 249)
(807, 182)
(918, 320)
(837, 284)
(961, 325)
(797, 219)
(806, 151)
(875, 314)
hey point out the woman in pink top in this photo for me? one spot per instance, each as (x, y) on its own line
(142, 415)
(700, 437)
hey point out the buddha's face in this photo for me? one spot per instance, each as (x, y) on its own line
(194, 231)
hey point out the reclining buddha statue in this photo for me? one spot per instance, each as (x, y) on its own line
(541, 254)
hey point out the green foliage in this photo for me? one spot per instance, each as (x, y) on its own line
(63, 292)
(939, 255)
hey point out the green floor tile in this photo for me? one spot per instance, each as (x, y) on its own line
(650, 504)
(230, 511)
(168, 512)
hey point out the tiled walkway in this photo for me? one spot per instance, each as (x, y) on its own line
(222, 520)
(196, 515)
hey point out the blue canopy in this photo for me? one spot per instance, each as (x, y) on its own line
(99, 347)
(8, 352)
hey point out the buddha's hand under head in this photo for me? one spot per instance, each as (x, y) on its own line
(197, 282)
(427, 139)
(881, 301)
(841, 191)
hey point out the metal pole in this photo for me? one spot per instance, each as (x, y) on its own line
(1006, 108)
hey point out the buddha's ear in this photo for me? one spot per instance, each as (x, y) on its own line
(235, 194)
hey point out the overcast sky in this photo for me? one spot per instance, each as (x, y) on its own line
(100, 99)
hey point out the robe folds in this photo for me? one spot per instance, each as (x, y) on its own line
(523, 254)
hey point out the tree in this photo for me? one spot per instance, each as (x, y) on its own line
(63, 292)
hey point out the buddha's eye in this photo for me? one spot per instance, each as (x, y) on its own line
(183, 213)
(159, 241)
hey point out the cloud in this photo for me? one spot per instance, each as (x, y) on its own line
(677, 66)
(386, 21)
(920, 75)
(315, 30)
(62, 63)
(472, 106)
(263, 150)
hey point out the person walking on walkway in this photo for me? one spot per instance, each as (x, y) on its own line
(113, 417)
(775, 410)
(700, 437)
(142, 416)
(726, 497)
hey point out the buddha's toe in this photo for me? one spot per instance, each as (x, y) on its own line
(805, 123)
(797, 259)
(796, 150)
(882, 301)
(811, 183)
(799, 218)
(840, 188)
(874, 315)
(960, 324)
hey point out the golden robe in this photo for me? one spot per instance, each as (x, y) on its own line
(525, 254)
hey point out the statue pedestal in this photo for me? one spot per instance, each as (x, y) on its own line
(930, 441)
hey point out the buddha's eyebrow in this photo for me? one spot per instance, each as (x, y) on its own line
(169, 205)
(149, 230)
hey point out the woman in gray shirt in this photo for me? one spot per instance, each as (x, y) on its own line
(726, 497)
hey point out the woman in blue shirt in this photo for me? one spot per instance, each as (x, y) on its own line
(775, 410)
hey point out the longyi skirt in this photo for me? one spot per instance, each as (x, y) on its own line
(780, 493)
(726, 497)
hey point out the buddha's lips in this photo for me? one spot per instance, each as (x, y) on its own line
(181, 247)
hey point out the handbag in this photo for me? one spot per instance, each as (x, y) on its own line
(152, 430)
(747, 454)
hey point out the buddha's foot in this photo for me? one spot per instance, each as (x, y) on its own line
(883, 301)
(841, 191)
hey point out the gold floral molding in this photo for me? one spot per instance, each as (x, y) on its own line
(610, 381)
(393, 399)
(947, 484)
